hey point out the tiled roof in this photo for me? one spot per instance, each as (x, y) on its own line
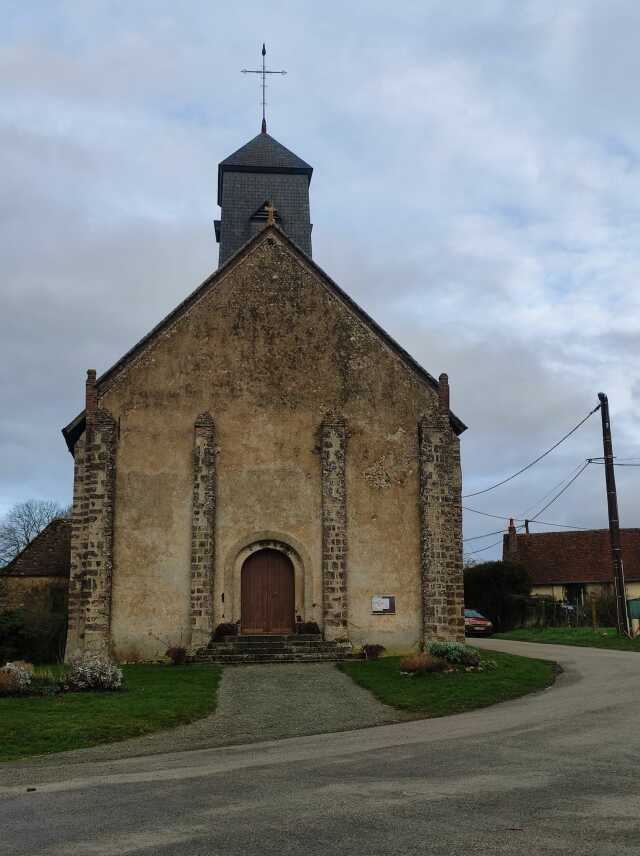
(48, 555)
(574, 557)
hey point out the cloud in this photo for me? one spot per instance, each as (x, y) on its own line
(476, 186)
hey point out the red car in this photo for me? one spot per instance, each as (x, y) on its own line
(475, 624)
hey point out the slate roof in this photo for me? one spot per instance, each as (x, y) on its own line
(556, 558)
(75, 428)
(262, 154)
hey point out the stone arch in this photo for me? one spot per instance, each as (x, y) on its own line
(272, 540)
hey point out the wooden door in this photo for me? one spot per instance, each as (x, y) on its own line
(267, 593)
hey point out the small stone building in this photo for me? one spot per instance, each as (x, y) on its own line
(572, 565)
(37, 579)
(266, 455)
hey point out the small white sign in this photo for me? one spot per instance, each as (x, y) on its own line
(380, 604)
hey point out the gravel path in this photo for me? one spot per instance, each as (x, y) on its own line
(256, 703)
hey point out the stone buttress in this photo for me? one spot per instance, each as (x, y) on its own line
(92, 531)
(203, 510)
(333, 444)
(440, 504)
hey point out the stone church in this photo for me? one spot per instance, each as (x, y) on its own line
(266, 455)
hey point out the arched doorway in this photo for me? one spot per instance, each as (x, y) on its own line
(267, 593)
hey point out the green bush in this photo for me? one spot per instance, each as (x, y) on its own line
(12, 634)
(497, 590)
(454, 653)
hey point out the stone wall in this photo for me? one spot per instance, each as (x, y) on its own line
(270, 348)
(38, 593)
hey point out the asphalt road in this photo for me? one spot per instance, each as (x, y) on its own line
(556, 772)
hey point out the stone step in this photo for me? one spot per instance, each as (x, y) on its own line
(241, 644)
(256, 639)
(274, 652)
(239, 659)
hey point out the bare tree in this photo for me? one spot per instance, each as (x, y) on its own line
(23, 522)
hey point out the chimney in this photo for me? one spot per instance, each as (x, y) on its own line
(443, 392)
(512, 541)
(91, 400)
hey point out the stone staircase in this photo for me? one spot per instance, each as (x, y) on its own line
(300, 648)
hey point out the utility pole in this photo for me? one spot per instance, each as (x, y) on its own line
(614, 522)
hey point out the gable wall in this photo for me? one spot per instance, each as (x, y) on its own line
(267, 353)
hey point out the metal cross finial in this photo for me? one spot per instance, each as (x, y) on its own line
(264, 72)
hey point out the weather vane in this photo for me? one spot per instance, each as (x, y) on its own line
(264, 71)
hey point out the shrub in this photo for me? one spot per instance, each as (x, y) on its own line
(15, 678)
(495, 589)
(454, 653)
(372, 652)
(606, 610)
(35, 633)
(177, 654)
(94, 672)
(224, 629)
(308, 627)
(12, 634)
(22, 664)
(422, 664)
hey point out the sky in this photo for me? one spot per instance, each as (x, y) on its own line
(476, 189)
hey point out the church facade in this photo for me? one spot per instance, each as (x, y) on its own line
(266, 455)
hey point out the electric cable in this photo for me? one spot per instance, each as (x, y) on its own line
(615, 463)
(537, 460)
(528, 519)
(486, 535)
(559, 494)
(549, 492)
(488, 547)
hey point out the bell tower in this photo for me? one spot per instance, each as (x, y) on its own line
(262, 174)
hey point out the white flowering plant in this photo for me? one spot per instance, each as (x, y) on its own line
(94, 672)
(15, 678)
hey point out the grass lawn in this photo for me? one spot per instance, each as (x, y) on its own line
(154, 697)
(439, 695)
(604, 637)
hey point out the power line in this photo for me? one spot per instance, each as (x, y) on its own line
(482, 549)
(486, 535)
(528, 519)
(539, 458)
(561, 525)
(615, 463)
(566, 487)
(553, 489)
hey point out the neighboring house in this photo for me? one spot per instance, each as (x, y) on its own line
(571, 565)
(38, 577)
(267, 453)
